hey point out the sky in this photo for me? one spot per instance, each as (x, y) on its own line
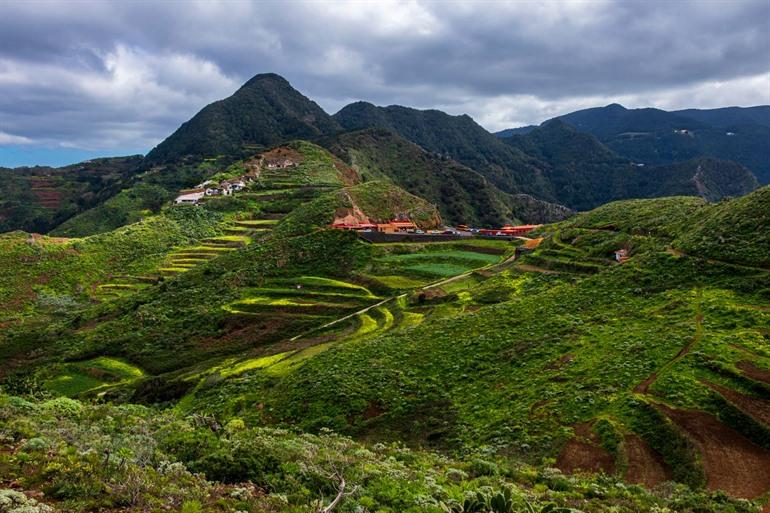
(86, 79)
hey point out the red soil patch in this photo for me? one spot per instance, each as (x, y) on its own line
(282, 154)
(754, 372)
(348, 174)
(753, 406)
(645, 466)
(583, 453)
(731, 461)
(580, 456)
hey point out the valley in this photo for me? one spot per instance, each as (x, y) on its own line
(221, 332)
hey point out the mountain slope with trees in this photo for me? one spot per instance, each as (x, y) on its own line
(654, 136)
(264, 112)
(584, 173)
(462, 195)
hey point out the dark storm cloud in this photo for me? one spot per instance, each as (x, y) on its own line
(122, 75)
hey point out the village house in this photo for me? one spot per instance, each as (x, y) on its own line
(235, 185)
(189, 196)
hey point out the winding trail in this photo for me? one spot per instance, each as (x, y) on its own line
(644, 386)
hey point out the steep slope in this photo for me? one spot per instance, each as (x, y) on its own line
(654, 136)
(584, 173)
(462, 195)
(39, 198)
(265, 111)
(458, 137)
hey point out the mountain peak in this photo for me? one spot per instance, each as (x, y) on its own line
(265, 111)
(616, 107)
(261, 78)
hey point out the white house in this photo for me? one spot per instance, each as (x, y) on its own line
(237, 185)
(190, 197)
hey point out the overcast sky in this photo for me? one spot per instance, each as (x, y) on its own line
(100, 78)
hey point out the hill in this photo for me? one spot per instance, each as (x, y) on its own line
(462, 195)
(458, 137)
(264, 112)
(654, 136)
(37, 199)
(584, 173)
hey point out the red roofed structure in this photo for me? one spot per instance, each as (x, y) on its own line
(510, 231)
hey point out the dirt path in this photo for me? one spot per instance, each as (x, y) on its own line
(645, 466)
(732, 462)
(644, 386)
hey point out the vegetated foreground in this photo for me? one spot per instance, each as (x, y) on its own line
(246, 323)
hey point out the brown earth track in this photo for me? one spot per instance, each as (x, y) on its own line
(754, 372)
(732, 462)
(645, 466)
(752, 406)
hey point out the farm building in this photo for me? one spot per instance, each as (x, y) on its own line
(397, 226)
(511, 231)
(351, 222)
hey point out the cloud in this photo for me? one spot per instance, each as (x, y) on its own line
(7, 139)
(102, 75)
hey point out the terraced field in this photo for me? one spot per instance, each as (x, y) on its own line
(184, 259)
(90, 376)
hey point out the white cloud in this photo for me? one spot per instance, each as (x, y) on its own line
(7, 139)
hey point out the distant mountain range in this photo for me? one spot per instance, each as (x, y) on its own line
(531, 174)
(654, 136)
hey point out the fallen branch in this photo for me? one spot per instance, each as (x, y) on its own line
(337, 499)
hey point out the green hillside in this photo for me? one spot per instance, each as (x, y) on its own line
(462, 195)
(636, 369)
(584, 173)
(654, 136)
(37, 199)
(492, 369)
(458, 137)
(558, 163)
